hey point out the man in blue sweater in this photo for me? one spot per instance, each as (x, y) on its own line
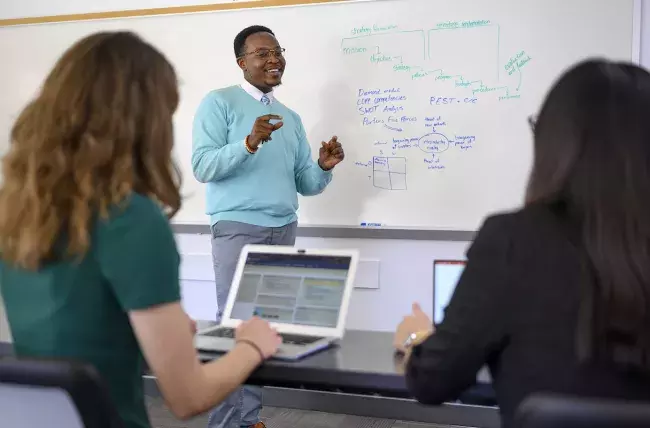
(252, 152)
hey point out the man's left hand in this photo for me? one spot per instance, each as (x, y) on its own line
(330, 154)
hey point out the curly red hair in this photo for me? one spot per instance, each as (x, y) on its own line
(99, 129)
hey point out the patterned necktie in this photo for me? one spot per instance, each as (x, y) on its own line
(265, 100)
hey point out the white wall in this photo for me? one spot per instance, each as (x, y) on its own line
(405, 275)
(405, 268)
(645, 33)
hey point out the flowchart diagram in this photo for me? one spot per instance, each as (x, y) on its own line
(432, 138)
(417, 119)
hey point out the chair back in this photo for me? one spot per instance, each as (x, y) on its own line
(559, 411)
(37, 393)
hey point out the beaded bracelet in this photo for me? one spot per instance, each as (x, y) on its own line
(249, 149)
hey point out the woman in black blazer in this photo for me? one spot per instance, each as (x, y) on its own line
(556, 296)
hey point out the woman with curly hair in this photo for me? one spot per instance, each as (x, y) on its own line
(88, 262)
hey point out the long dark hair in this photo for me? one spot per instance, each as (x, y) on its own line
(592, 157)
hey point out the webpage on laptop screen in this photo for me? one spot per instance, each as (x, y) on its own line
(292, 288)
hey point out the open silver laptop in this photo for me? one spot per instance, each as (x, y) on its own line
(304, 294)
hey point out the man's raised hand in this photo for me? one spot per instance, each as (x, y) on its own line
(262, 130)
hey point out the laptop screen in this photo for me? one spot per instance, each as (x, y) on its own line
(292, 288)
(446, 274)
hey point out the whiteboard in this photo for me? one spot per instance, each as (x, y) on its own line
(430, 98)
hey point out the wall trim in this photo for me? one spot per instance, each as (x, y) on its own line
(174, 10)
(351, 232)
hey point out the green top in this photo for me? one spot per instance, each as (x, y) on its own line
(79, 309)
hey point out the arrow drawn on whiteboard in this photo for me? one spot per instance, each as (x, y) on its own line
(393, 129)
(519, 85)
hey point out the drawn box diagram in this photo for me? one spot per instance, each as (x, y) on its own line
(389, 172)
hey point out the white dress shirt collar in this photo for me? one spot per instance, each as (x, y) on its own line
(256, 93)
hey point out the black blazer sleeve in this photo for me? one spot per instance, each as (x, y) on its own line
(475, 323)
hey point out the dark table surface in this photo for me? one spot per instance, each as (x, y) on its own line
(363, 362)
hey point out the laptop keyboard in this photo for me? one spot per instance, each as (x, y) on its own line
(288, 339)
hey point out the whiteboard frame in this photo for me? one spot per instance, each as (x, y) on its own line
(352, 232)
(637, 31)
(165, 11)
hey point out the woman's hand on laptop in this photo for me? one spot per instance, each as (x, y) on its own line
(259, 335)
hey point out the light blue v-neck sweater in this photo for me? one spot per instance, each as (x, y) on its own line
(262, 188)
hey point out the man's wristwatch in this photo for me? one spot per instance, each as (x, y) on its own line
(416, 338)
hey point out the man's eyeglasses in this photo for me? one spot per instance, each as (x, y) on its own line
(266, 53)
